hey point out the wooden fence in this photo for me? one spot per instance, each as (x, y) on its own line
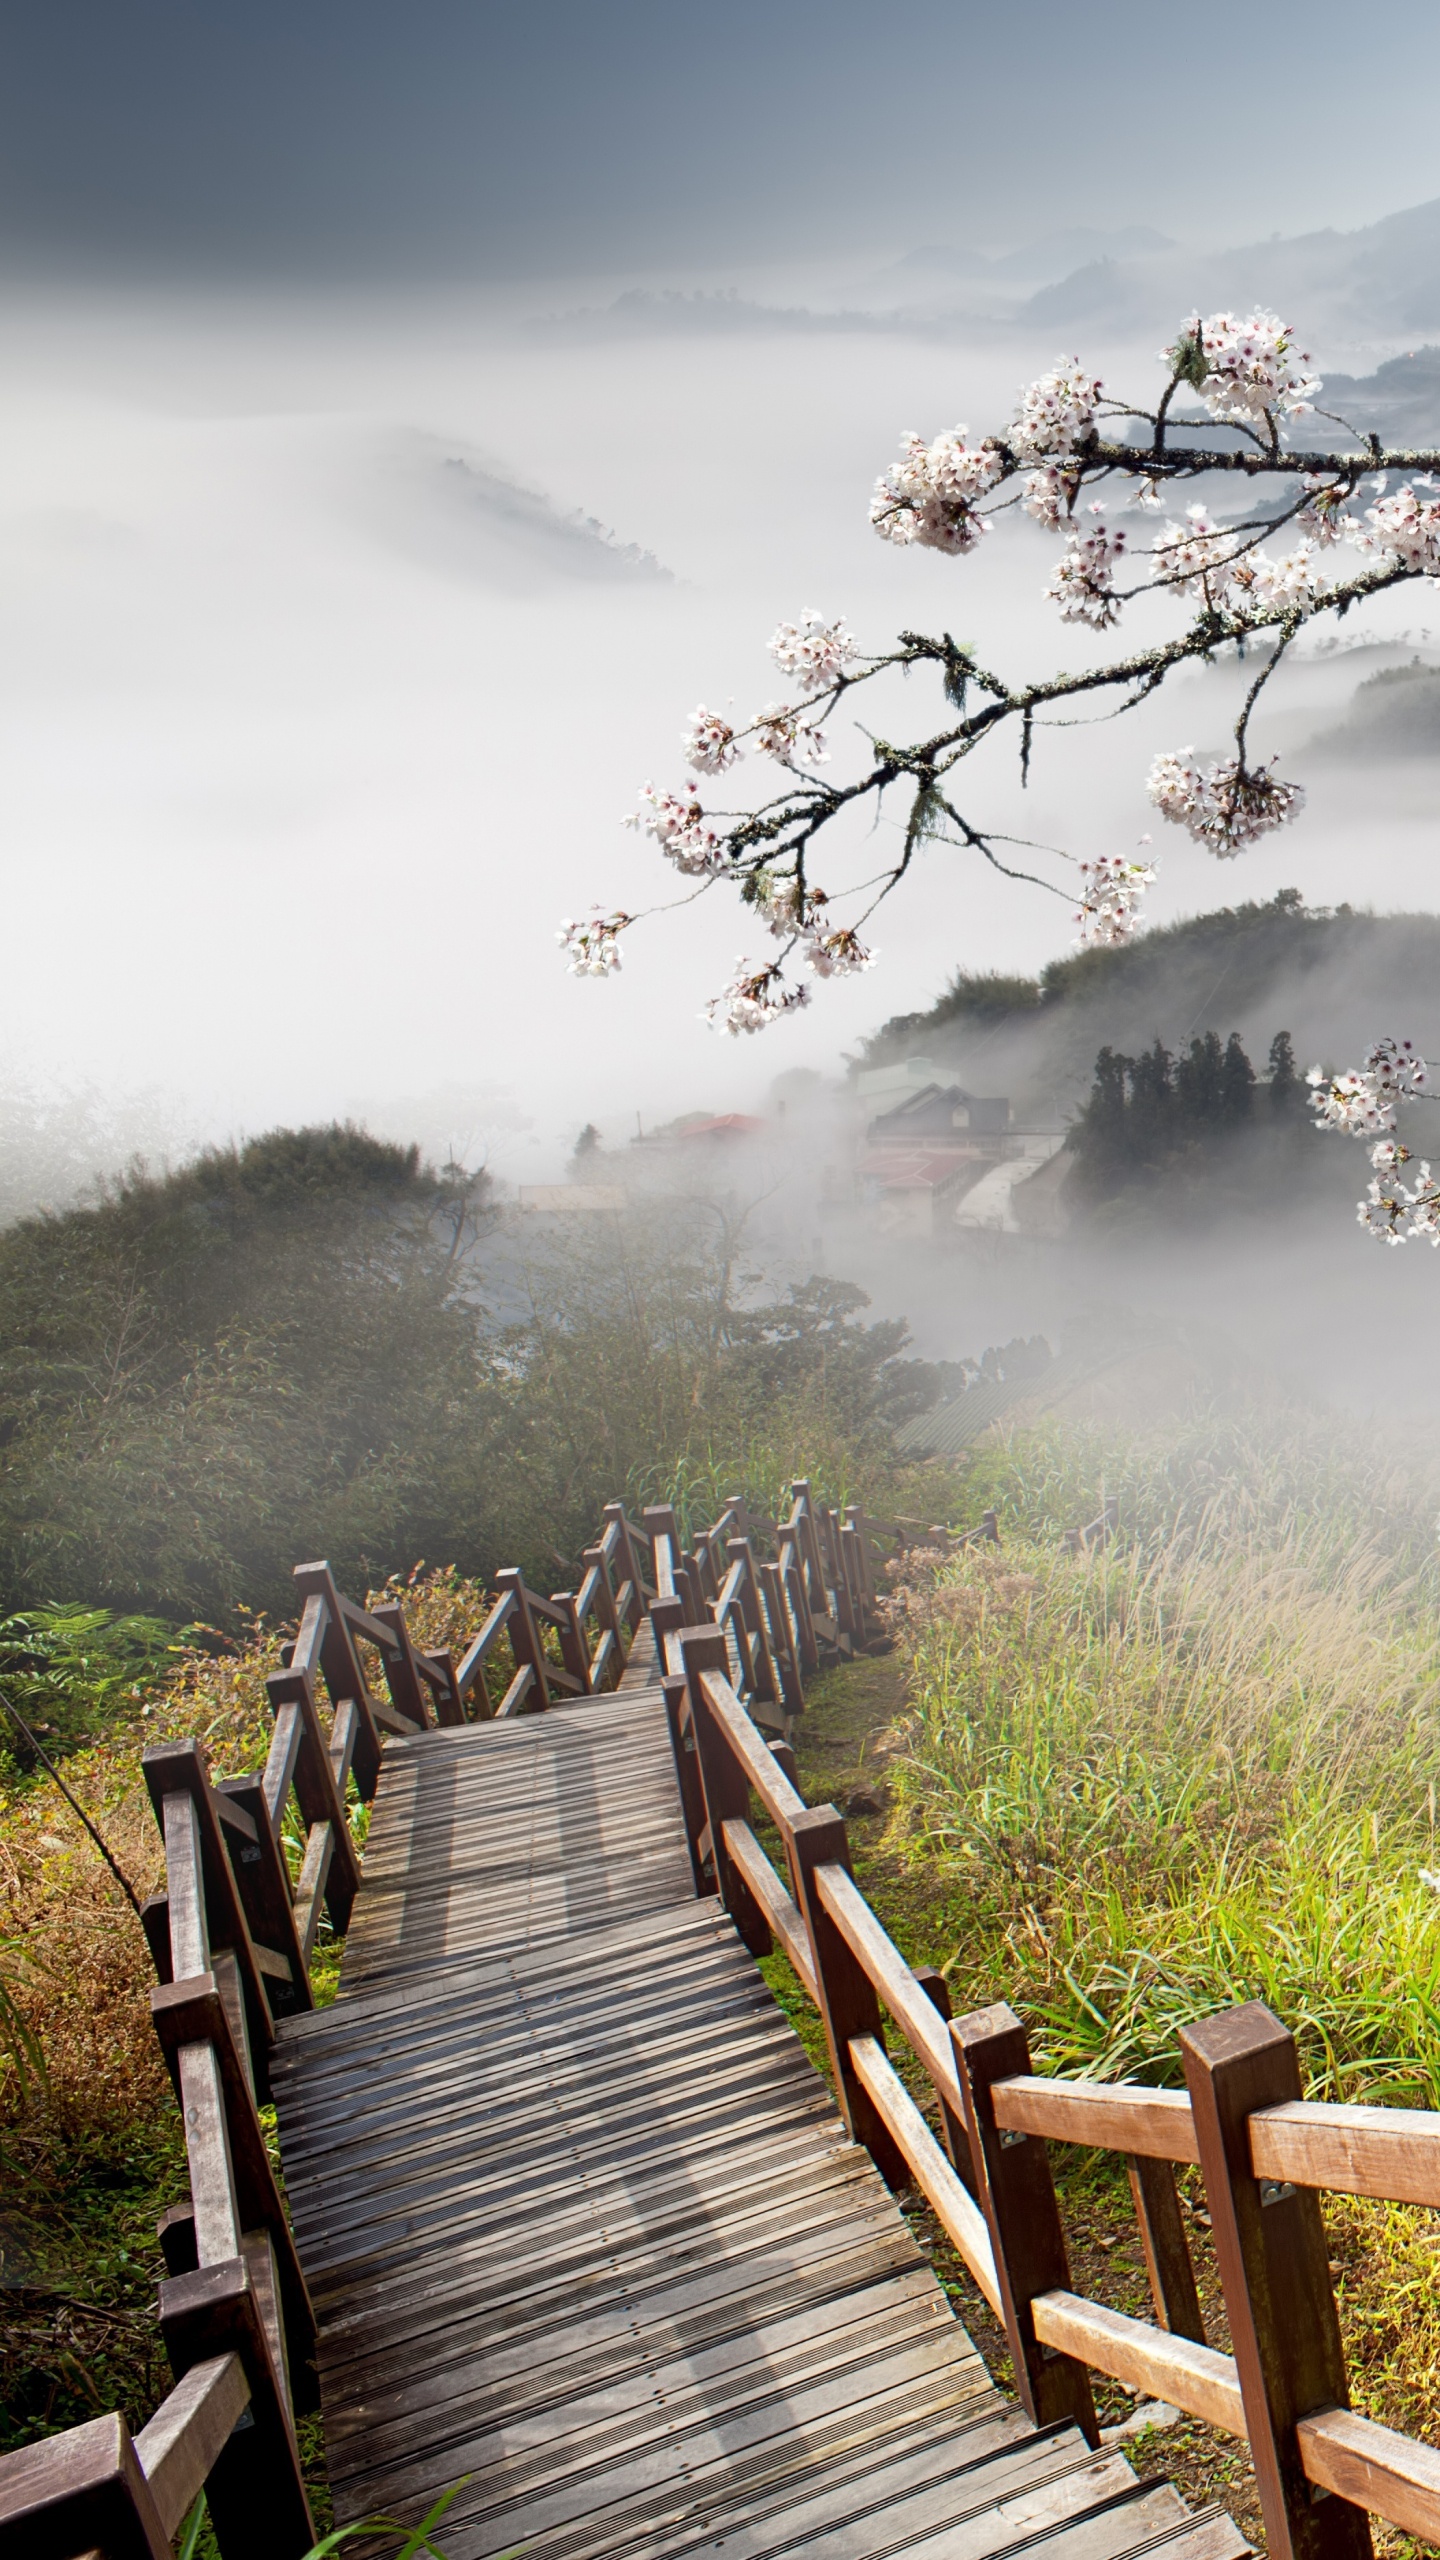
(232, 1938)
(737, 1634)
(1264, 2153)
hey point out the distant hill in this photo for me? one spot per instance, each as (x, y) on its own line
(1377, 283)
(1334, 979)
(1393, 713)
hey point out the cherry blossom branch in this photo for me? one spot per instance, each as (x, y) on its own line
(946, 495)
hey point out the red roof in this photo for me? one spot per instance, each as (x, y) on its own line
(729, 1124)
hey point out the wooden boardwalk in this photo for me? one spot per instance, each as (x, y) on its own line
(583, 2227)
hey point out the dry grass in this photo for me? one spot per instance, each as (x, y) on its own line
(90, 2144)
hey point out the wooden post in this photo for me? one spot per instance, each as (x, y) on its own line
(687, 1777)
(784, 1758)
(1270, 2246)
(344, 1678)
(214, 1913)
(597, 1562)
(781, 1632)
(763, 1670)
(856, 1521)
(726, 1787)
(1167, 2251)
(409, 1694)
(300, 1757)
(524, 1635)
(255, 2492)
(572, 1641)
(264, 1881)
(797, 1593)
(957, 2140)
(849, 2004)
(640, 1581)
(1017, 2192)
(667, 1617)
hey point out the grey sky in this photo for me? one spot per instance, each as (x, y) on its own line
(440, 136)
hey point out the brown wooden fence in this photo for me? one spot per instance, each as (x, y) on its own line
(232, 1938)
(1264, 2153)
(737, 1634)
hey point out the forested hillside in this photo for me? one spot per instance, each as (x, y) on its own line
(1335, 979)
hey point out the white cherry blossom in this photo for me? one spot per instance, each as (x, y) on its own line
(1225, 805)
(1111, 890)
(677, 823)
(1405, 528)
(929, 496)
(756, 996)
(1323, 519)
(814, 650)
(1249, 370)
(838, 954)
(1056, 413)
(1083, 584)
(784, 732)
(1050, 493)
(594, 944)
(710, 743)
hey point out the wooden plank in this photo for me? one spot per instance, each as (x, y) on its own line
(845, 1995)
(781, 1915)
(950, 2199)
(178, 2446)
(1373, 2467)
(79, 2493)
(1113, 2115)
(1388, 2152)
(1150, 2360)
(781, 1801)
(916, 2016)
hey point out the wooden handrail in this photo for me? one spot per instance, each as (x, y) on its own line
(232, 1939)
(1288, 2147)
(944, 2191)
(177, 2448)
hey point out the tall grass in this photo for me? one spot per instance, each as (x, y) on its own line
(1199, 1768)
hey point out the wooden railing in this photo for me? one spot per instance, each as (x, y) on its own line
(232, 1939)
(1264, 2154)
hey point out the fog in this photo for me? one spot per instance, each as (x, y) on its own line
(341, 620)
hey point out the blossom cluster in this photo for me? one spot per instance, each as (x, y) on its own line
(1202, 559)
(1248, 370)
(1083, 584)
(1111, 890)
(1050, 494)
(1406, 529)
(710, 743)
(593, 945)
(1225, 805)
(1401, 1212)
(783, 733)
(1363, 1101)
(1056, 413)
(677, 824)
(929, 496)
(756, 996)
(814, 650)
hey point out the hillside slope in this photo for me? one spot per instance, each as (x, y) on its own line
(1334, 979)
